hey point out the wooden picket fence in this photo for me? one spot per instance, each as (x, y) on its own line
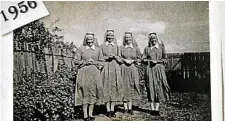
(28, 61)
(196, 71)
(188, 72)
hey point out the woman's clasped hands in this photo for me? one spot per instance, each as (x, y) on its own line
(89, 62)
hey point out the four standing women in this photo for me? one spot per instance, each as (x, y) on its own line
(113, 70)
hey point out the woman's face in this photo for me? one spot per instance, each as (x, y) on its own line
(153, 39)
(110, 36)
(128, 38)
(90, 41)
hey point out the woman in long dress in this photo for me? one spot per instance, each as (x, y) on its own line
(157, 87)
(112, 80)
(89, 89)
(131, 56)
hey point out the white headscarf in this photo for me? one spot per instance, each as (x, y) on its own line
(90, 34)
(134, 43)
(114, 38)
(158, 40)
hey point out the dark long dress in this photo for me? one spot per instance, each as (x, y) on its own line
(157, 86)
(130, 74)
(112, 80)
(89, 89)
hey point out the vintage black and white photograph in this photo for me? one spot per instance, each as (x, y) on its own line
(114, 61)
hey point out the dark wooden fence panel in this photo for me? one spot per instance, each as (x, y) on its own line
(196, 71)
(173, 71)
(189, 72)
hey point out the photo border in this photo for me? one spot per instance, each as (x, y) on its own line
(217, 102)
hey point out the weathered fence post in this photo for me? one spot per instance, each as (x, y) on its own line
(49, 59)
(16, 62)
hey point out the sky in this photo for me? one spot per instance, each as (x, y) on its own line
(182, 26)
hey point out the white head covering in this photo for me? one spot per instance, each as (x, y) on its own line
(114, 38)
(134, 43)
(158, 40)
(90, 34)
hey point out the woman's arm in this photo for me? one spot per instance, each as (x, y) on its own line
(164, 56)
(118, 57)
(147, 60)
(78, 60)
(104, 58)
(137, 61)
(144, 56)
(99, 63)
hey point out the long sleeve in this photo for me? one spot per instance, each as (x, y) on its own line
(161, 42)
(137, 61)
(118, 56)
(138, 53)
(99, 63)
(100, 55)
(164, 56)
(104, 56)
(121, 54)
(145, 55)
(78, 60)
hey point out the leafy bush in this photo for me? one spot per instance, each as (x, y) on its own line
(45, 98)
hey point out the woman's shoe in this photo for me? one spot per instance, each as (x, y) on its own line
(108, 114)
(125, 111)
(86, 119)
(91, 118)
(131, 112)
(113, 114)
(155, 113)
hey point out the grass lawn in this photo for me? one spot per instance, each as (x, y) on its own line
(182, 107)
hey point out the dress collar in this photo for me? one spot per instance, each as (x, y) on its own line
(130, 45)
(109, 43)
(92, 47)
(155, 46)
